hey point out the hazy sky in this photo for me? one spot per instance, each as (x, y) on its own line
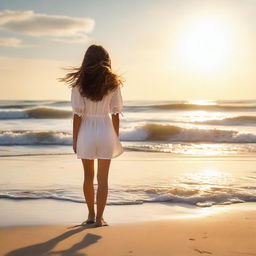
(164, 49)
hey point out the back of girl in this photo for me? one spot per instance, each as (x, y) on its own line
(96, 101)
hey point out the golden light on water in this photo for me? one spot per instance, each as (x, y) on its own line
(204, 150)
(202, 115)
(210, 173)
(206, 178)
(205, 182)
(202, 102)
(179, 212)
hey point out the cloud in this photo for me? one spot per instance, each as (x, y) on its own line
(74, 39)
(10, 42)
(13, 42)
(37, 24)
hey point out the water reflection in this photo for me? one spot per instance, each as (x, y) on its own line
(207, 177)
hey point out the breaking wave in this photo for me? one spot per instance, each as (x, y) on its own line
(36, 112)
(35, 138)
(237, 120)
(146, 132)
(139, 195)
(172, 133)
(214, 107)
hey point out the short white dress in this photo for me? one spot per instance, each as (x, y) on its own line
(97, 138)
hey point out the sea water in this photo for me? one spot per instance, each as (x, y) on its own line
(170, 128)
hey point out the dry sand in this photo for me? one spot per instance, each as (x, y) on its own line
(230, 231)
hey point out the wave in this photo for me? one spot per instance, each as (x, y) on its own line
(36, 112)
(137, 195)
(146, 132)
(6, 104)
(55, 110)
(204, 149)
(171, 133)
(35, 138)
(237, 120)
(16, 106)
(214, 107)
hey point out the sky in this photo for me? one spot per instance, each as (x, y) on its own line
(163, 49)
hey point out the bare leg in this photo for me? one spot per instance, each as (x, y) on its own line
(102, 192)
(88, 187)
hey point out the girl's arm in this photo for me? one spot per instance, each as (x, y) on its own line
(115, 121)
(76, 125)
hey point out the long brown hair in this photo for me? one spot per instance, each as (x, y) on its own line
(94, 78)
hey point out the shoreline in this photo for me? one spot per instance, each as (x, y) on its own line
(49, 212)
(37, 227)
(63, 172)
(135, 152)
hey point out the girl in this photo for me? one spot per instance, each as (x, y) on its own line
(95, 93)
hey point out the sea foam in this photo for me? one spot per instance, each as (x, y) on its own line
(146, 132)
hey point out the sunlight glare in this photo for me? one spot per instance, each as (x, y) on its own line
(206, 44)
(207, 177)
(202, 102)
(203, 116)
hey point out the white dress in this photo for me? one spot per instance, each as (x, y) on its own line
(97, 138)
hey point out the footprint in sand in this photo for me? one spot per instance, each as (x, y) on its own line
(130, 253)
(202, 251)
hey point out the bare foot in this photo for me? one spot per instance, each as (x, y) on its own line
(100, 223)
(90, 219)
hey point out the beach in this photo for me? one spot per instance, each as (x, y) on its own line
(34, 226)
(227, 233)
(166, 88)
(185, 184)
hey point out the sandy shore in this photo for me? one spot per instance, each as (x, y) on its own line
(230, 230)
(51, 227)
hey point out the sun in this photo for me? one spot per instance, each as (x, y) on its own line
(205, 44)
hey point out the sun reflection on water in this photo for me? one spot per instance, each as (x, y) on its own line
(202, 116)
(202, 102)
(207, 177)
(204, 149)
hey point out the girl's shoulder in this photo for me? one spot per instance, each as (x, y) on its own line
(116, 90)
(76, 91)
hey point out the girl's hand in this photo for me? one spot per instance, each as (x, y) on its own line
(74, 146)
(76, 126)
(115, 122)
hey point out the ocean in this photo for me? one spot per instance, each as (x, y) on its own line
(201, 128)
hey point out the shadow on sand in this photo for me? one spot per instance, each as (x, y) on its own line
(44, 249)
